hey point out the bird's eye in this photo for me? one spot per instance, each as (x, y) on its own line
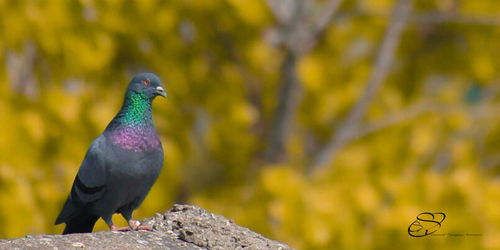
(146, 82)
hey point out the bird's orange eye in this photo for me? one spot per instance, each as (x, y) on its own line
(146, 82)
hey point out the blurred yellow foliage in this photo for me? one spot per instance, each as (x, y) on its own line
(427, 140)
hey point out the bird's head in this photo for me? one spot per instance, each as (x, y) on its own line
(147, 84)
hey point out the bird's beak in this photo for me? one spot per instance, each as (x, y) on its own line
(161, 91)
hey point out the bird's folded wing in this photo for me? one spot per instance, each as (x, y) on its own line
(89, 184)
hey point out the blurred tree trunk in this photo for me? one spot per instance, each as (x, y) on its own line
(298, 32)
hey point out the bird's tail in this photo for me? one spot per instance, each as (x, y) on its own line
(83, 223)
(77, 219)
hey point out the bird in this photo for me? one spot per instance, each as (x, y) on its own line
(120, 166)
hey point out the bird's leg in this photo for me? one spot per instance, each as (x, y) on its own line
(136, 225)
(112, 226)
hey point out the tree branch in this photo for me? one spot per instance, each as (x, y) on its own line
(383, 61)
(440, 17)
(283, 10)
(393, 119)
(427, 17)
(325, 17)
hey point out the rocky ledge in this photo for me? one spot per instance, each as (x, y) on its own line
(182, 227)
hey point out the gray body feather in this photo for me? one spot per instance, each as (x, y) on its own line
(111, 180)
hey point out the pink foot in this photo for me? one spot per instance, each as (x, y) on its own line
(119, 229)
(136, 225)
(146, 228)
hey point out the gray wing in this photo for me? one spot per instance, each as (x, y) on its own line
(90, 182)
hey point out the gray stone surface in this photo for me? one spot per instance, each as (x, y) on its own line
(183, 227)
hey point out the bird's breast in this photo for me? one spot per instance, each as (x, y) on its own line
(136, 139)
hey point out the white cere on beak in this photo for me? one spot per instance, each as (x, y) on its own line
(161, 91)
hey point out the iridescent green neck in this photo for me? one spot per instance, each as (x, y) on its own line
(136, 111)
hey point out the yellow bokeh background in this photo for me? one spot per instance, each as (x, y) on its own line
(428, 140)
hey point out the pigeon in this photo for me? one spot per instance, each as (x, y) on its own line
(120, 166)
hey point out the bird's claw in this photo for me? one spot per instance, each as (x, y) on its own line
(133, 226)
(119, 229)
(136, 225)
(145, 228)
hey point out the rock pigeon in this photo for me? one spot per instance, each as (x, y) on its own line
(121, 164)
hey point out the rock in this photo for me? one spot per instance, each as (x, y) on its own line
(183, 227)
